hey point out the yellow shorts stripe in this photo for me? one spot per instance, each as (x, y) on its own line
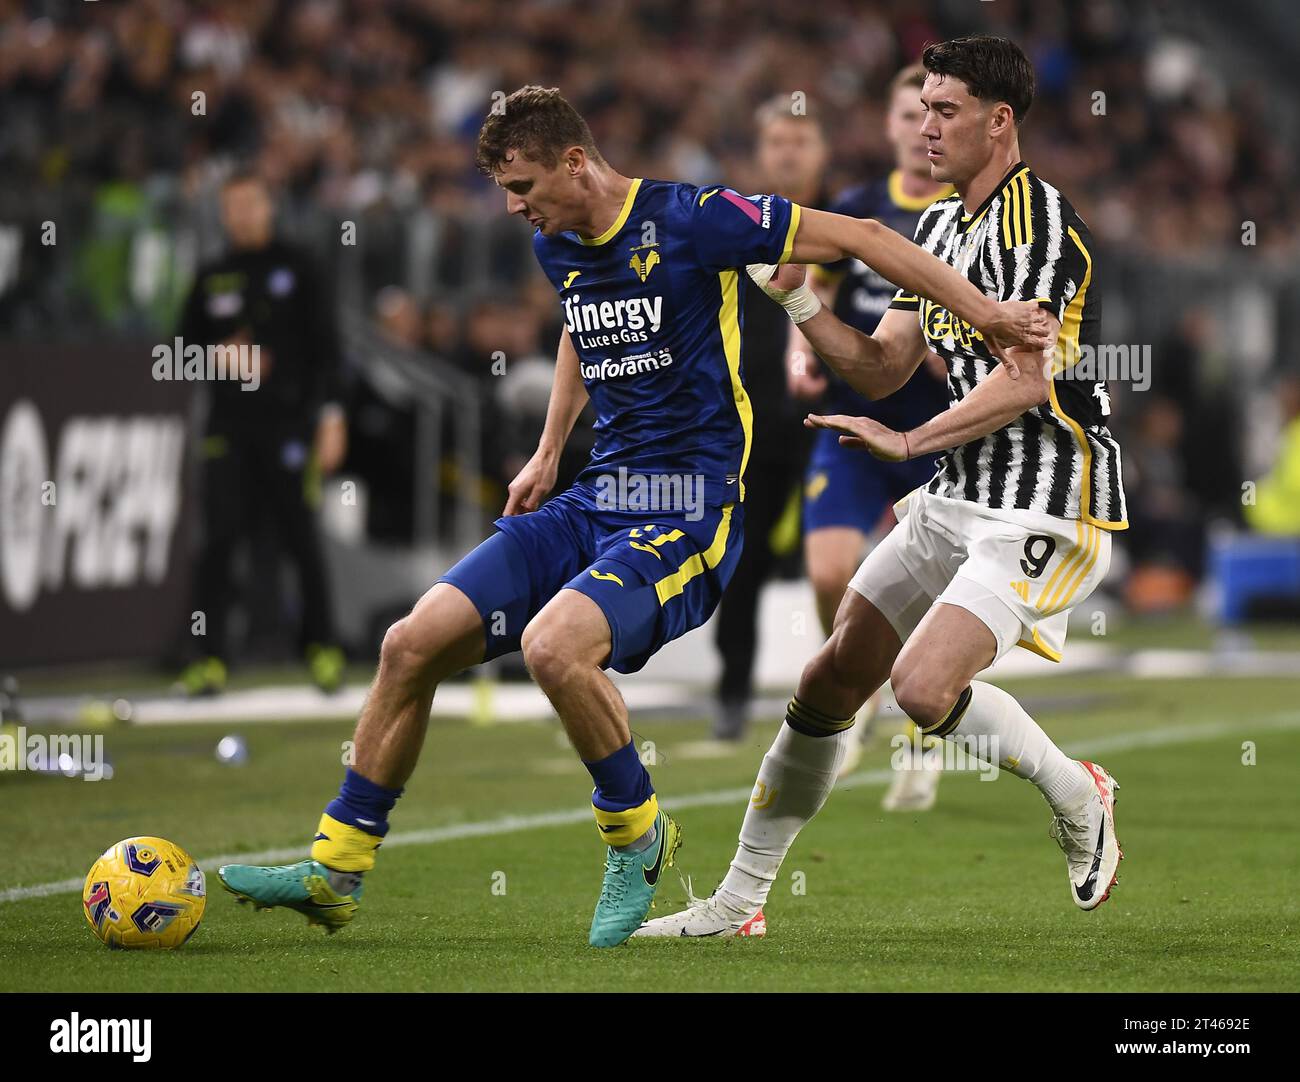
(1070, 588)
(671, 586)
(1050, 585)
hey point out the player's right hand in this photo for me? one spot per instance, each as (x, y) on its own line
(1018, 324)
(531, 484)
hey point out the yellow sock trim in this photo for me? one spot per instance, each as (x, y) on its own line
(624, 827)
(926, 742)
(952, 719)
(810, 721)
(343, 847)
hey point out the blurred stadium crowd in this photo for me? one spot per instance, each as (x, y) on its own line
(366, 112)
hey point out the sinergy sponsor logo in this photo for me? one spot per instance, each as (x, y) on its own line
(634, 313)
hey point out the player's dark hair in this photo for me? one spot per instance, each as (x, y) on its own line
(536, 122)
(993, 69)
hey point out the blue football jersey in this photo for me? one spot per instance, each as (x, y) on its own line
(863, 296)
(654, 309)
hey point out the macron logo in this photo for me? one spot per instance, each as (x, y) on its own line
(77, 1034)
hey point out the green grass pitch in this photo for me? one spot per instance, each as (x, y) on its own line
(969, 897)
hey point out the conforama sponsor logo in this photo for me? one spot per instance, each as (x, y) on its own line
(620, 368)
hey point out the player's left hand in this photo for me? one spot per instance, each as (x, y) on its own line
(1018, 326)
(864, 434)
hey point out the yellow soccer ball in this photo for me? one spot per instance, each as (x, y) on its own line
(144, 893)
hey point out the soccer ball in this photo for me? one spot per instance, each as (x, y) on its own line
(144, 893)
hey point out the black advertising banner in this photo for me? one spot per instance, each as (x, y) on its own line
(94, 505)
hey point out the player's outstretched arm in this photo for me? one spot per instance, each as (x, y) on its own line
(824, 237)
(804, 377)
(874, 365)
(992, 404)
(568, 397)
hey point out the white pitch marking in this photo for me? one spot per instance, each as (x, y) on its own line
(514, 824)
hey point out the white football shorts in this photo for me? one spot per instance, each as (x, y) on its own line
(1020, 572)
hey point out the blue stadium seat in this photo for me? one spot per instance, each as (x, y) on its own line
(1245, 567)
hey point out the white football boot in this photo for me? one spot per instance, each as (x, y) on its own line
(702, 919)
(914, 788)
(1087, 837)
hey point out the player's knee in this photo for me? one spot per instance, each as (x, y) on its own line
(923, 697)
(401, 655)
(410, 657)
(549, 658)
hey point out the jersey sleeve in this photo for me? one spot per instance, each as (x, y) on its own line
(733, 230)
(1044, 258)
(905, 301)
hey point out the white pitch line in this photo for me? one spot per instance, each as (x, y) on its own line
(515, 824)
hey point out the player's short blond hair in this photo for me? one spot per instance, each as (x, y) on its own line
(911, 76)
(782, 107)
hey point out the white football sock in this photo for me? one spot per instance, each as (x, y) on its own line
(793, 782)
(1021, 746)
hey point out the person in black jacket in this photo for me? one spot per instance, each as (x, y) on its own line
(792, 155)
(274, 426)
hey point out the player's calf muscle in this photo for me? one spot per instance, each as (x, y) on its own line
(441, 636)
(855, 661)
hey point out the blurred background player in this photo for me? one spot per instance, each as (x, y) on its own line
(849, 496)
(264, 450)
(791, 156)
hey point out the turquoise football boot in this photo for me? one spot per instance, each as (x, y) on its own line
(303, 886)
(630, 883)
